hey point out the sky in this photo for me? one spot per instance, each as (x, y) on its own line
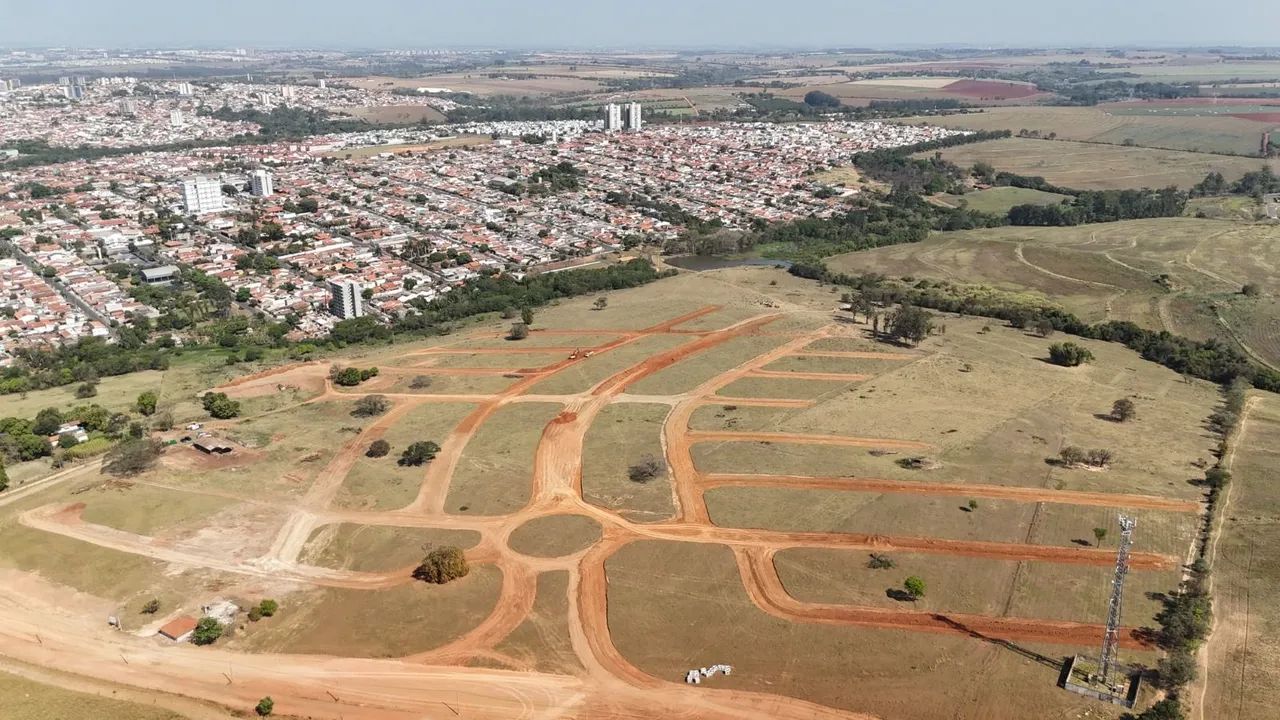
(692, 24)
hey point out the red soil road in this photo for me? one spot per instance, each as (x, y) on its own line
(779, 540)
(995, 492)
(766, 590)
(991, 88)
(1271, 118)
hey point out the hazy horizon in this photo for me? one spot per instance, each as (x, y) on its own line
(667, 24)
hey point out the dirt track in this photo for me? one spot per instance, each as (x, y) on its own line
(609, 687)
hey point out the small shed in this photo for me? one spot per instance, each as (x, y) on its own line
(179, 629)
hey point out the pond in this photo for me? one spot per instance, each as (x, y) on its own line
(698, 263)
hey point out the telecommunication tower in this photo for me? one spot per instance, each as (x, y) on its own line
(1112, 638)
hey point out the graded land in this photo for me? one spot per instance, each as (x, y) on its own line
(774, 423)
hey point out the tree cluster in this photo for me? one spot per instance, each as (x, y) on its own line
(442, 565)
(220, 406)
(1069, 354)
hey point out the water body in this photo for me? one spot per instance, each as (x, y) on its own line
(698, 263)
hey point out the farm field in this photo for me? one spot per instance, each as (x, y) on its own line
(395, 114)
(1113, 271)
(1210, 134)
(710, 481)
(1094, 166)
(509, 81)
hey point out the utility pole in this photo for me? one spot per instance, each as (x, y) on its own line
(1111, 640)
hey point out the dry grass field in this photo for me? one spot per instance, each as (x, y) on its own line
(1094, 166)
(519, 82)
(1243, 654)
(1112, 271)
(395, 114)
(998, 200)
(775, 426)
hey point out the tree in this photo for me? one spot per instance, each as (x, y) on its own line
(526, 315)
(973, 505)
(419, 452)
(132, 456)
(371, 405)
(914, 587)
(220, 406)
(909, 323)
(4, 478)
(47, 422)
(601, 303)
(207, 631)
(1177, 669)
(1069, 354)
(146, 403)
(519, 331)
(1250, 290)
(1123, 410)
(1044, 327)
(378, 448)
(648, 468)
(346, 377)
(1099, 534)
(819, 99)
(1072, 455)
(66, 441)
(1100, 457)
(1167, 709)
(86, 390)
(163, 420)
(442, 565)
(152, 607)
(265, 706)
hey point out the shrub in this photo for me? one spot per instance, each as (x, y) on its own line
(442, 565)
(86, 390)
(378, 448)
(346, 377)
(1099, 457)
(207, 631)
(420, 452)
(420, 382)
(268, 607)
(255, 614)
(880, 562)
(152, 607)
(67, 441)
(1250, 290)
(265, 706)
(519, 331)
(89, 448)
(371, 405)
(648, 468)
(1069, 354)
(1044, 327)
(1072, 455)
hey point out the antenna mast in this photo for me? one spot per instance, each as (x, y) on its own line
(1112, 638)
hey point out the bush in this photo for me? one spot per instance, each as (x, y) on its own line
(442, 565)
(1069, 354)
(268, 607)
(67, 441)
(265, 706)
(519, 331)
(86, 390)
(378, 448)
(1044, 327)
(152, 607)
(1072, 455)
(1167, 709)
(346, 377)
(648, 468)
(420, 452)
(880, 562)
(420, 382)
(1123, 410)
(207, 631)
(255, 614)
(371, 405)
